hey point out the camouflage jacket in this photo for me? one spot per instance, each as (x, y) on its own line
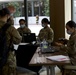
(13, 37)
(71, 47)
(47, 34)
(24, 30)
(12, 33)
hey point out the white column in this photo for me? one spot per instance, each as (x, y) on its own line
(67, 14)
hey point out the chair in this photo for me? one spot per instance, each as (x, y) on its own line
(21, 71)
(24, 55)
(69, 68)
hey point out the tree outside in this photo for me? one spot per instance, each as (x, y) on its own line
(46, 7)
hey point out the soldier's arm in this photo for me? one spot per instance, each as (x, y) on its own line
(15, 35)
(51, 36)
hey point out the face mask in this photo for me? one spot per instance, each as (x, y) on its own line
(22, 26)
(11, 14)
(43, 25)
(69, 32)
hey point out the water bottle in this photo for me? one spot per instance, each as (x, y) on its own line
(44, 45)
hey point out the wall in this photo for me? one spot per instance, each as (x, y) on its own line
(67, 14)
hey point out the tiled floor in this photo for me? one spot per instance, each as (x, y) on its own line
(57, 72)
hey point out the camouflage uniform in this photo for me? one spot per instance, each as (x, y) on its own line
(14, 36)
(47, 34)
(24, 30)
(71, 49)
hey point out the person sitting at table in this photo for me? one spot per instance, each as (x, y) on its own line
(23, 29)
(71, 45)
(46, 32)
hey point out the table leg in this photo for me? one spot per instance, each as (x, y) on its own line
(47, 68)
(52, 70)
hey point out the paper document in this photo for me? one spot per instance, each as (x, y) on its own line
(15, 46)
(23, 43)
(58, 58)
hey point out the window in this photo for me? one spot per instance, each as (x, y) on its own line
(74, 10)
(19, 5)
(34, 7)
(40, 8)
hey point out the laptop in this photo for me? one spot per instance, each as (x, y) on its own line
(48, 50)
(29, 37)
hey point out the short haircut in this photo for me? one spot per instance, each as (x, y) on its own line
(45, 20)
(71, 24)
(21, 20)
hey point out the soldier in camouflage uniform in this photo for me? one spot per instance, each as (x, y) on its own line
(13, 37)
(71, 45)
(46, 32)
(23, 29)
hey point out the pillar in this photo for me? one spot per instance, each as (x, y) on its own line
(57, 17)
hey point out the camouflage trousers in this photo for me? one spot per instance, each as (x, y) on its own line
(6, 70)
(10, 67)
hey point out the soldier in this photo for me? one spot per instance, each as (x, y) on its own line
(23, 29)
(71, 45)
(13, 37)
(46, 32)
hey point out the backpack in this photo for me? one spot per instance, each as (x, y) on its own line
(4, 49)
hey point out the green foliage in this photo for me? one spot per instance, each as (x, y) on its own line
(18, 6)
(46, 8)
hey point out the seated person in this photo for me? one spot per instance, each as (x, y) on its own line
(23, 29)
(71, 45)
(46, 32)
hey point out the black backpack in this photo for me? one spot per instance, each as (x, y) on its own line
(4, 49)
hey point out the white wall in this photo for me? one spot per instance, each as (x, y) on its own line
(67, 14)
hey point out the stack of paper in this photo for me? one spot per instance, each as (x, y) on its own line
(15, 46)
(58, 58)
(23, 43)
